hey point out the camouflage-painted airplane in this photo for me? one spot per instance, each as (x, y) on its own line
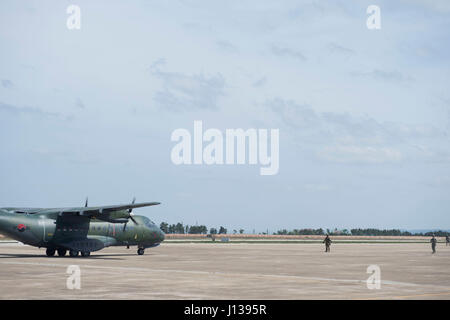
(81, 230)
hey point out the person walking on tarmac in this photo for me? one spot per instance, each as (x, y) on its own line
(433, 244)
(447, 240)
(327, 242)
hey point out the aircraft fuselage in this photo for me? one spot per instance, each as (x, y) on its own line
(47, 230)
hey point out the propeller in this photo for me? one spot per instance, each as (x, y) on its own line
(132, 202)
(86, 203)
(130, 215)
(130, 211)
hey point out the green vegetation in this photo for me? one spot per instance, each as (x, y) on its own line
(179, 228)
(297, 232)
(360, 232)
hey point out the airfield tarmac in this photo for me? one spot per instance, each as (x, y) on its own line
(230, 271)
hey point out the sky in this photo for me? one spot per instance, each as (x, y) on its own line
(363, 115)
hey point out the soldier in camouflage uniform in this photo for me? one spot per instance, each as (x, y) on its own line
(433, 244)
(327, 242)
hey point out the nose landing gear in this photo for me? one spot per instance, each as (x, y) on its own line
(140, 251)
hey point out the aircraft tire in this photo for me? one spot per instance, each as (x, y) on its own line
(62, 252)
(140, 251)
(73, 253)
(50, 252)
(85, 253)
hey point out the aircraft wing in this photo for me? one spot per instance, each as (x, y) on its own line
(117, 213)
(98, 211)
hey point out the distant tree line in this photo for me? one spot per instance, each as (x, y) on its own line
(377, 232)
(360, 232)
(297, 232)
(439, 233)
(180, 228)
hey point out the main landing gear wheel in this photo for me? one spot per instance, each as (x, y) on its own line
(73, 253)
(62, 252)
(140, 251)
(50, 252)
(85, 253)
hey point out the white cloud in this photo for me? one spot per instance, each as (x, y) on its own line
(383, 75)
(283, 51)
(183, 92)
(358, 154)
(346, 138)
(317, 187)
(442, 6)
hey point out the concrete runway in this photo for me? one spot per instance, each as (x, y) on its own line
(230, 271)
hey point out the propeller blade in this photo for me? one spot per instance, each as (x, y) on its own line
(86, 203)
(130, 215)
(132, 219)
(132, 202)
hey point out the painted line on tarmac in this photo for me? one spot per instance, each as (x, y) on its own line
(423, 295)
(280, 276)
(410, 296)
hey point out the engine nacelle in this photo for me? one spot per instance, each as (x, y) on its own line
(119, 215)
(115, 217)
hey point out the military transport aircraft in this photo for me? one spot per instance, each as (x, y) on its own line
(81, 230)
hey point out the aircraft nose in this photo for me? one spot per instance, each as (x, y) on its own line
(162, 235)
(157, 234)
